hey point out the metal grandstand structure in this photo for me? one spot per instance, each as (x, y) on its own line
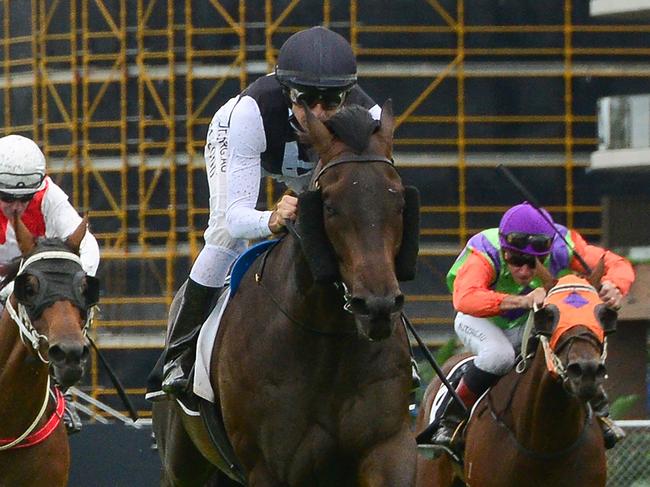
(119, 94)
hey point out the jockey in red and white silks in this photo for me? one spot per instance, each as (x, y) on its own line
(42, 205)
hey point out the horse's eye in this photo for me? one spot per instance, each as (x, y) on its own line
(330, 210)
(83, 286)
(31, 287)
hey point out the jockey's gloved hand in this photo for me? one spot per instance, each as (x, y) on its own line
(610, 294)
(286, 209)
(536, 298)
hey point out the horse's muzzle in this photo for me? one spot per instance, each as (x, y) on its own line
(376, 316)
(584, 377)
(67, 359)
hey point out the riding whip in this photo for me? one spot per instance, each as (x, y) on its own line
(535, 204)
(118, 385)
(433, 362)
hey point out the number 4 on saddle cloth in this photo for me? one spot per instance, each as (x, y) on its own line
(200, 375)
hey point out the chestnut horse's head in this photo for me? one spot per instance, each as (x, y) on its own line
(52, 301)
(573, 325)
(359, 224)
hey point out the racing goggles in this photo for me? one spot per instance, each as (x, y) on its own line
(330, 99)
(538, 242)
(10, 198)
(520, 260)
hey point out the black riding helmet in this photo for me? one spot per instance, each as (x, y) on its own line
(317, 58)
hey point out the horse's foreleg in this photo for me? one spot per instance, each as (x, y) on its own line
(390, 464)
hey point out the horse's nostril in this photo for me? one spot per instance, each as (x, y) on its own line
(359, 306)
(63, 352)
(601, 372)
(56, 354)
(399, 303)
(574, 371)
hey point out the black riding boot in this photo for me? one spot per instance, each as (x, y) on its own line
(179, 356)
(71, 418)
(453, 415)
(471, 386)
(612, 433)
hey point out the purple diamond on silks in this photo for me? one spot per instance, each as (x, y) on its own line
(575, 300)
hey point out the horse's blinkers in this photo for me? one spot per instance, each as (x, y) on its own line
(546, 319)
(607, 318)
(65, 280)
(318, 249)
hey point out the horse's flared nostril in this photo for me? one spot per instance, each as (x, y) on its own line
(68, 353)
(398, 303)
(377, 306)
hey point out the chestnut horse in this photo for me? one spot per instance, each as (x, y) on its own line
(311, 365)
(42, 331)
(535, 426)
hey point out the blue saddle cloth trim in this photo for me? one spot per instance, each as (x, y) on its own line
(245, 260)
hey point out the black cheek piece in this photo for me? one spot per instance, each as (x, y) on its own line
(319, 252)
(82, 291)
(607, 317)
(546, 319)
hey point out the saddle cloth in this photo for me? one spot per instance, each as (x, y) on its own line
(207, 336)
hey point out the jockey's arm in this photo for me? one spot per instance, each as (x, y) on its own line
(472, 294)
(244, 172)
(618, 270)
(61, 219)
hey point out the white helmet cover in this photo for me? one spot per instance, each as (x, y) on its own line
(22, 166)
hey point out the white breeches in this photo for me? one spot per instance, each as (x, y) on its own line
(495, 348)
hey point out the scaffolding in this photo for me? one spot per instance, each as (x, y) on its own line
(119, 93)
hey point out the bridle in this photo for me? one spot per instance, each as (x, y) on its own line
(340, 285)
(554, 364)
(348, 159)
(20, 316)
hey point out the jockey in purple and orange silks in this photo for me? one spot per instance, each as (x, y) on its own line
(27, 191)
(494, 285)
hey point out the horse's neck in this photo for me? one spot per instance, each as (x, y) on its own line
(546, 417)
(23, 379)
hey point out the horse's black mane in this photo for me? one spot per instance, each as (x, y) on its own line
(353, 125)
(9, 270)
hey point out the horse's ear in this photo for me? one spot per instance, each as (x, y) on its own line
(387, 124)
(74, 240)
(319, 136)
(26, 241)
(597, 273)
(548, 281)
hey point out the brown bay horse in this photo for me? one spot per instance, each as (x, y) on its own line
(535, 428)
(42, 335)
(311, 366)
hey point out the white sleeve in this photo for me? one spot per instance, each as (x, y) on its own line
(61, 219)
(246, 142)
